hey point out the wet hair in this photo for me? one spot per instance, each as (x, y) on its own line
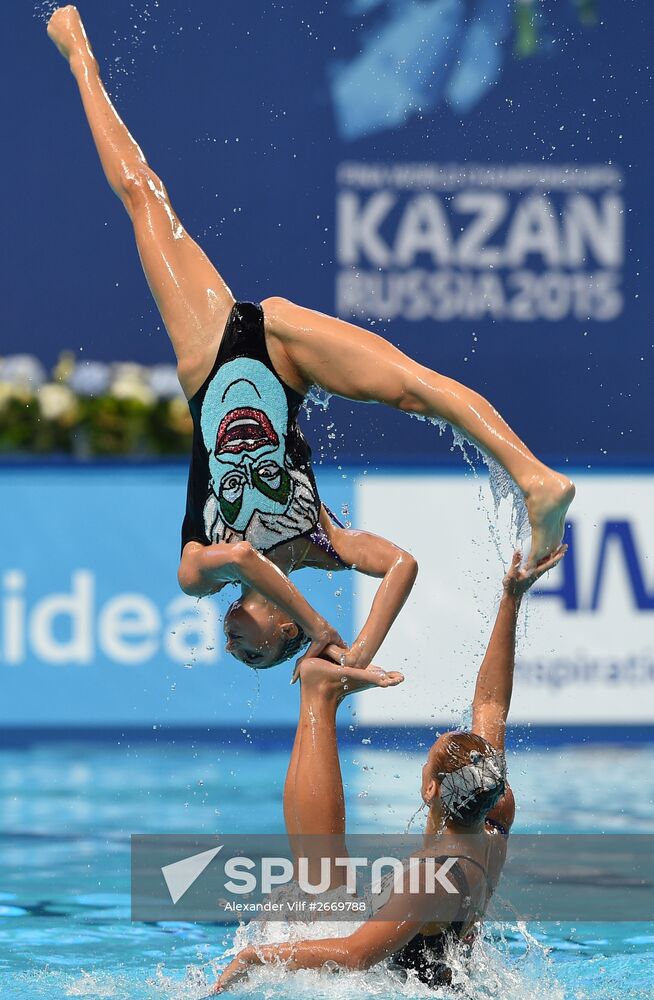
(472, 776)
(292, 646)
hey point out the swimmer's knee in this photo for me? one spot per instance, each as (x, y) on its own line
(410, 400)
(411, 564)
(139, 186)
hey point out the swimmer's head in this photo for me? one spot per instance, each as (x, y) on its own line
(260, 635)
(464, 776)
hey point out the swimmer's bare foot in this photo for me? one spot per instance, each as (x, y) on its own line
(332, 679)
(547, 497)
(66, 30)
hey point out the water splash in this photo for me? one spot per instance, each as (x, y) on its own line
(195, 985)
(317, 396)
(502, 486)
(493, 971)
(44, 9)
(419, 811)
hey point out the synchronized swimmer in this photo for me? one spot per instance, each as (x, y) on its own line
(253, 512)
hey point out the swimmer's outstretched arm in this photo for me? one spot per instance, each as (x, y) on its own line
(351, 362)
(391, 927)
(385, 933)
(388, 930)
(377, 557)
(358, 952)
(205, 569)
(492, 698)
(191, 296)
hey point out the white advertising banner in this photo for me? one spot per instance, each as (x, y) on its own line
(586, 645)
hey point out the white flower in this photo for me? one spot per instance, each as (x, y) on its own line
(133, 389)
(129, 370)
(129, 383)
(164, 383)
(56, 400)
(90, 378)
(9, 392)
(23, 370)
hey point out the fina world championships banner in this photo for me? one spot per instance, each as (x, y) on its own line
(468, 177)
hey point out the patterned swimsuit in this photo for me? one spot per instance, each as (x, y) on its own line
(250, 476)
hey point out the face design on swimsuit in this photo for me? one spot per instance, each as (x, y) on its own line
(253, 484)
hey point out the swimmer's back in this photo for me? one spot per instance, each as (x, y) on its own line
(250, 475)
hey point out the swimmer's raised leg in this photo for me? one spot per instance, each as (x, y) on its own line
(314, 803)
(192, 298)
(351, 362)
(306, 346)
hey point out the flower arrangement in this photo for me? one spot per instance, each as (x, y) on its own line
(89, 408)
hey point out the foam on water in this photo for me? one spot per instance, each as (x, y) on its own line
(47, 983)
(511, 963)
(490, 974)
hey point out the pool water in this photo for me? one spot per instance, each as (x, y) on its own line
(68, 811)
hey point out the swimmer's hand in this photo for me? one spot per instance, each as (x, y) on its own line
(344, 656)
(519, 579)
(357, 656)
(325, 642)
(237, 970)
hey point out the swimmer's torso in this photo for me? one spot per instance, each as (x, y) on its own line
(250, 476)
(475, 879)
(487, 856)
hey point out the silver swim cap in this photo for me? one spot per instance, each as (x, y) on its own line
(484, 777)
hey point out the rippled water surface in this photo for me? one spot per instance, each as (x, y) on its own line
(68, 812)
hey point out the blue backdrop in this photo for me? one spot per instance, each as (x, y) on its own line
(499, 231)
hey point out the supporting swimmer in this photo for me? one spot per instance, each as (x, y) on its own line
(470, 811)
